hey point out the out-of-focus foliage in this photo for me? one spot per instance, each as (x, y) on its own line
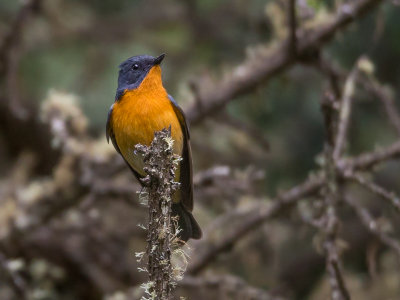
(72, 50)
(77, 46)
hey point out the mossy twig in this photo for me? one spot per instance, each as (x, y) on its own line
(159, 164)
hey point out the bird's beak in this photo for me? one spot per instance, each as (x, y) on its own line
(159, 59)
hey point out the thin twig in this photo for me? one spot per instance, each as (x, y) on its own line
(338, 286)
(388, 102)
(333, 73)
(372, 226)
(368, 160)
(391, 109)
(375, 188)
(370, 84)
(333, 263)
(336, 127)
(344, 115)
(208, 248)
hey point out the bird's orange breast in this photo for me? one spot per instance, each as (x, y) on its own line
(141, 112)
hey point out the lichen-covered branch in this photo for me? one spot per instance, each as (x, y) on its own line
(159, 164)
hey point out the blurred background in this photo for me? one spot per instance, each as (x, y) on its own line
(69, 211)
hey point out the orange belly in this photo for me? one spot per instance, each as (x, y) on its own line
(135, 118)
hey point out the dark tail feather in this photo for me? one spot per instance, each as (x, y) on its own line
(189, 229)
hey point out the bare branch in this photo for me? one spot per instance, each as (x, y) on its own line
(339, 290)
(372, 226)
(370, 84)
(208, 248)
(336, 129)
(330, 229)
(375, 188)
(13, 37)
(333, 73)
(368, 160)
(344, 114)
(388, 102)
(391, 109)
(10, 54)
(245, 77)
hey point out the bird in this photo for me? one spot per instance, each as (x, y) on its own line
(142, 106)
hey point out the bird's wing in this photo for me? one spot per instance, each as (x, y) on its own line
(110, 135)
(110, 131)
(186, 171)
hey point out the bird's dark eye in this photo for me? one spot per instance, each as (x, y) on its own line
(135, 66)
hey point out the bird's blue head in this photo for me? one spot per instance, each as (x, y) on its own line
(133, 70)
